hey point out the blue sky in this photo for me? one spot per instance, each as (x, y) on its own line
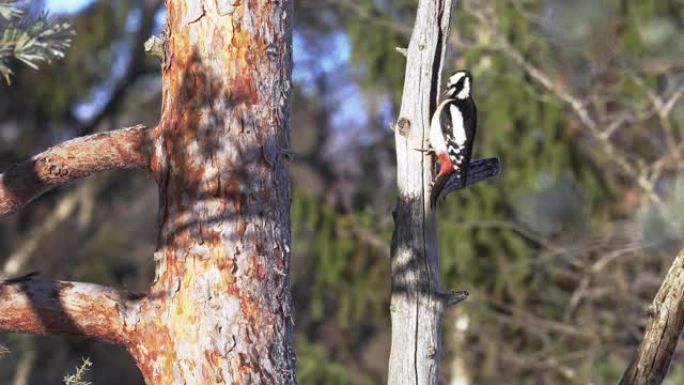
(350, 111)
(65, 6)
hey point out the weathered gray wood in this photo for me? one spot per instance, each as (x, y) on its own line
(417, 302)
(666, 320)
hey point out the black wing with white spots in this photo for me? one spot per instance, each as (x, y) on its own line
(459, 121)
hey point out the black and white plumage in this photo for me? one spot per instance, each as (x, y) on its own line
(452, 130)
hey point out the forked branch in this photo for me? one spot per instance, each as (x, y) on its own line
(39, 306)
(126, 148)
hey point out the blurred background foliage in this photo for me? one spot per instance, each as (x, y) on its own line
(562, 253)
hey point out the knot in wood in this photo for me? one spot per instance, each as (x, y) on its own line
(154, 46)
(652, 311)
(404, 127)
(431, 352)
(55, 168)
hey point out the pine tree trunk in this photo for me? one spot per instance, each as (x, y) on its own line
(219, 309)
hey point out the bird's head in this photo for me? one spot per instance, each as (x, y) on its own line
(458, 85)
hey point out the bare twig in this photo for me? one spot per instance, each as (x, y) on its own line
(531, 321)
(666, 160)
(63, 209)
(26, 364)
(134, 70)
(662, 109)
(521, 230)
(503, 45)
(582, 289)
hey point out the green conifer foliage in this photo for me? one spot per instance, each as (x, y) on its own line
(526, 243)
(31, 40)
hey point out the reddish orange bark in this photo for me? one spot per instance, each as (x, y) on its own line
(46, 307)
(219, 310)
(121, 149)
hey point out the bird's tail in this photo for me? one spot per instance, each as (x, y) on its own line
(437, 189)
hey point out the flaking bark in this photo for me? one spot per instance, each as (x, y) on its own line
(219, 309)
(39, 306)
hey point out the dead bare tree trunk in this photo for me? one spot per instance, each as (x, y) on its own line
(417, 303)
(416, 306)
(219, 309)
(666, 320)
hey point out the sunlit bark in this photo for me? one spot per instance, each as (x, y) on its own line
(122, 149)
(417, 303)
(43, 307)
(219, 310)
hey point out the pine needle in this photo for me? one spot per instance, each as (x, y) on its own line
(31, 40)
(77, 378)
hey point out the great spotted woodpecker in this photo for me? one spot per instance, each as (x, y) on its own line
(452, 131)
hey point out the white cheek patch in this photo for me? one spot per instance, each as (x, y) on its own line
(465, 92)
(457, 125)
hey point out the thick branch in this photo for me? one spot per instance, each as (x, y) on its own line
(666, 320)
(78, 158)
(44, 307)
